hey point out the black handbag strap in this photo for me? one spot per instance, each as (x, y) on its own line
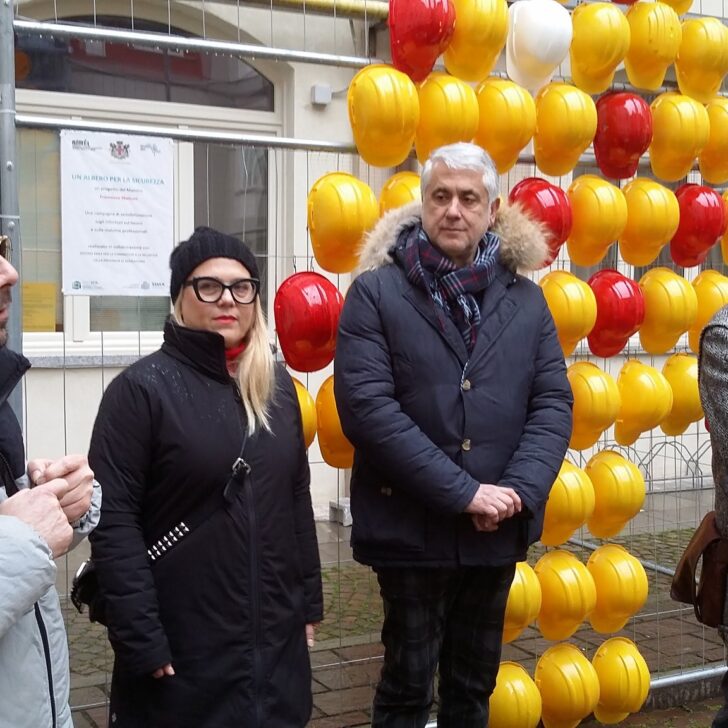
(6, 475)
(217, 500)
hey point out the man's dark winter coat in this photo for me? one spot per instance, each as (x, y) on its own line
(430, 423)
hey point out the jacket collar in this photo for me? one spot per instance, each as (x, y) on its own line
(201, 350)
(497, 309)
(523, 246)
(12, 368)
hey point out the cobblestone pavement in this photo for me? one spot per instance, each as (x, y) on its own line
(347, 657)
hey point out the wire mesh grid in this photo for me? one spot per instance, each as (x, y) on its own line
(347, 658)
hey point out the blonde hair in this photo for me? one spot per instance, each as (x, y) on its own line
(256, 369)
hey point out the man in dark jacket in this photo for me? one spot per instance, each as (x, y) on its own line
(451, 384)
(713, 381)
(37, 524)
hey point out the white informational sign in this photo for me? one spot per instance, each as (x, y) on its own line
(117, 206)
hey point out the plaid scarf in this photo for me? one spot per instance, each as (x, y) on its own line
(451, 288)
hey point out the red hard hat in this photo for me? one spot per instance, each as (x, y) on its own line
(549, 205)
(624, 132)
(307, 308)
(620, 312)
(419, 31)
(702, 222)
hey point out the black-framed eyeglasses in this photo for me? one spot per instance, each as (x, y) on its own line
(6, 247)
(211, 290)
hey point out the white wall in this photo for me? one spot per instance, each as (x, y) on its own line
(60, 408)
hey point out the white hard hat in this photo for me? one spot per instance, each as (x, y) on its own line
(539, 36)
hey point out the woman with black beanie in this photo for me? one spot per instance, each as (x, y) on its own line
(206, 551)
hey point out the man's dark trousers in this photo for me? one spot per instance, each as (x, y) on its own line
(453, 617)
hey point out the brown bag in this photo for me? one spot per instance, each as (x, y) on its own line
(706, 594)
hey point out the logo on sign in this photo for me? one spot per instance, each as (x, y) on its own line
(119, 150)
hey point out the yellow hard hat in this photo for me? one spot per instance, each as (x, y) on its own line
(621, 584)
(679, 6)
(599, 213)
(681, 371)
(336, 450)
(384, 111)
(515, 701)
(655, 36)
(341, 208)
(702, 60)
(596, 403)
(570, 503)
(572, 305)
(539, 36)
(712, 290)
(568, 684)
(680, 131)
(601, 41)
(566, 121)
(524, 602)
(568, 594)
(646, 400)
(506, 122)
(448, 113)
(713, 159)
(400, 189)
(481, 28)
(619, 492)
(624, 680)
(670, 309)
(653, 215)
(308, 412)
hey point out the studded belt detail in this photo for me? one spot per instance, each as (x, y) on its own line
(165, 543)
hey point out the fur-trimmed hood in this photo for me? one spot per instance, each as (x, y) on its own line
(523, 246)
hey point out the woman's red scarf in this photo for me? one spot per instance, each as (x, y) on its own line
(232, 354)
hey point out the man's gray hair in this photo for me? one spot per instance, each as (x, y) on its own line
(464, 155)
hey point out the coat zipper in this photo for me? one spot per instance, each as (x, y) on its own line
(47, 652)
(254, 600)
(9, 482)
(254, 580)
(462, 376)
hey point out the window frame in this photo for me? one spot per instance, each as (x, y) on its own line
(77, 339)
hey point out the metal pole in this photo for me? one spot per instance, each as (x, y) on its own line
(224, 137)
(173, 132)
(361, 9)
(9, 206)
(681, 678)
(178, 42)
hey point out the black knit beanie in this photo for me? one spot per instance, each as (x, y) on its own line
(203, 244)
